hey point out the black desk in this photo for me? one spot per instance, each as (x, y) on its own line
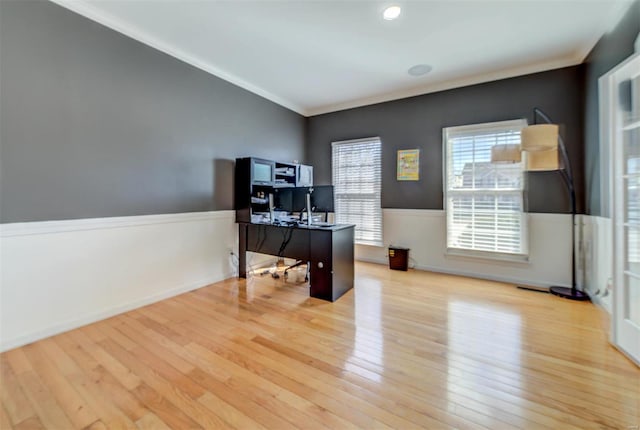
(328, 249)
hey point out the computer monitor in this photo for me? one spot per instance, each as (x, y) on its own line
(262, 172)
(299, 199)
(294, 200)
(283, 199)
(322, 198)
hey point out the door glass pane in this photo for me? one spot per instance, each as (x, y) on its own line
(632, 196)
(633, 250)
(633, 304)
(632, 151)
(630, 100)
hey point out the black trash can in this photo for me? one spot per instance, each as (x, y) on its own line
(398, 258)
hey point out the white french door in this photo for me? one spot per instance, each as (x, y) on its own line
(623, 94)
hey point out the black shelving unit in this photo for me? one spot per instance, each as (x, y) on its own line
(252, 195)
(285, 175)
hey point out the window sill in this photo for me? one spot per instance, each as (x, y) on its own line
(483, 255)
(369, 243)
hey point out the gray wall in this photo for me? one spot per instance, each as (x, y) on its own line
(417, 122)
(95, 124)
(610, 50)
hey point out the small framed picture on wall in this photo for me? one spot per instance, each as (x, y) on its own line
(408, 165)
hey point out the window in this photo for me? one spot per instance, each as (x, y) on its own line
(484, 200)
(357, 179)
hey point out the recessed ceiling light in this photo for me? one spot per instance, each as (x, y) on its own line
(391, 13)
(419, 70)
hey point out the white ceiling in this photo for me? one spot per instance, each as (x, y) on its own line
(320, 56)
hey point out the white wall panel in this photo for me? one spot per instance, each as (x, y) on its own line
(59, 275)
(424, 231)
(597, 242)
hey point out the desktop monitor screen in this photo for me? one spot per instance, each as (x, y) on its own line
(283, 199)
(299, 199)
(262, 172)
(322, 198)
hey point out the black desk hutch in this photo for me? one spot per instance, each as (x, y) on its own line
(329, 249)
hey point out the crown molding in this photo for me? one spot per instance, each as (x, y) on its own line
(81, 224)
(608, 24)
(568, 61)
(82, 8)
(577, 57)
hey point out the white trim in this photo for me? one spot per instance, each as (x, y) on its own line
(370, 145)
(59, 275)
(91, 317)
(468, 274)
(594, 265)
(596, 300)
(422, 231)
(485, 127)
(491, 277)
(361, 140)
(415, 212)
(575, 58)
(50, 227)
(484, 255)
(90, 12)
(625, 332)
(572, 60)
(607, 134)
(608, 24)
(606, 138)
(467, 131)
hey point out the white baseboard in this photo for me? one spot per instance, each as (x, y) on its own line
(436, 269)
(59, 275)
(92, 317)
(596, 267)
(424, 232)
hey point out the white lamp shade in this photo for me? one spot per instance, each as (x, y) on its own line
(506, 153)
(539, 137)
(540, 161)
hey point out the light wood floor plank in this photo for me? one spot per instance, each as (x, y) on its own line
(151, 422)
(300, 403)
(116, 406)
(466, 401)
(458, 383)
(13, 398)
(223, 352)
(42, 400)
(402, 350)
(32, 423)
(74, 406)
(97, 425)
(170, 403)
(5, 421)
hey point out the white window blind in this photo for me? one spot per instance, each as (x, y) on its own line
(357, 180)
(484, 200)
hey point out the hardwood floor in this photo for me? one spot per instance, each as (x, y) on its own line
(404, 350)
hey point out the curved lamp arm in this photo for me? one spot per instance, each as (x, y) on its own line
(573, 292)
(567, 175)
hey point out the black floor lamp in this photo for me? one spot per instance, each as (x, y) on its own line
(543, 143)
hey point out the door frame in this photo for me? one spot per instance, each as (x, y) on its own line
(610, 140)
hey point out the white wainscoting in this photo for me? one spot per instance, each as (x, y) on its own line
(58, 275)
(597, 254)
(424, 232)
